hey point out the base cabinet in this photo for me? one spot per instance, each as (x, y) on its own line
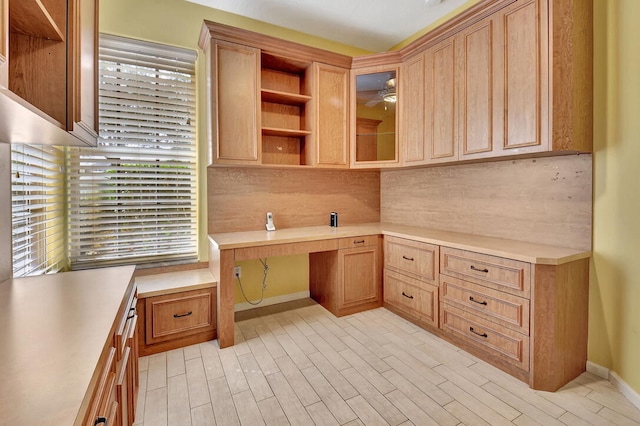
(527, 319)
(348, 280)
(177, 319)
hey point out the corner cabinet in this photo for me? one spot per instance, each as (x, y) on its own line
(48, 77)
(273, 102)
(516, 81)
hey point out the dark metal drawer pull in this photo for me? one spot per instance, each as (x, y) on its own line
(182, 315)
(485, 335)
(406, 295)
(484, 302)
(358, 242)
(408, 258)
(485, 270)
(100, 421)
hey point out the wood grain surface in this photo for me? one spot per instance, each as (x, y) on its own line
(238, 198)
(543, 200)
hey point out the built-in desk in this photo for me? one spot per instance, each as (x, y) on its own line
(227, 248)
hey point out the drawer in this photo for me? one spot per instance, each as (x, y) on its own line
(416, 298)
(412, 257)
(355, 242)
(502, 308)
(502, 274)
(179, 314)
(496, 341)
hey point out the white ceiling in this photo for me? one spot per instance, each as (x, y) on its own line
(374, 25)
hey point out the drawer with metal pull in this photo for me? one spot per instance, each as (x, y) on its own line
(412, 257)
(511, 276)
(355, 242)
(496, 306)
(416, 298)
(179, 314)
(497, 341)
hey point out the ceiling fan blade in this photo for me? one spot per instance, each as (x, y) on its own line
(373, 102)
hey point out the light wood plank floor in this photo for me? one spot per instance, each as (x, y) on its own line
(303, 366)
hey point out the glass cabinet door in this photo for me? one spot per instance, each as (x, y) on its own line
(374, 117)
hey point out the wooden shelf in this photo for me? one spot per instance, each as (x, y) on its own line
(31, 18)
(284, 98)
(272, 131)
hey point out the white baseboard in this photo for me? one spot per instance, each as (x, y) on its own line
(616, 381)
(624, 388)
(598, 370)
(244, 306)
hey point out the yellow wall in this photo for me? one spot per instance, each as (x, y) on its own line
(614, 315)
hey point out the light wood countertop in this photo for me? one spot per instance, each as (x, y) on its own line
(518, 250)
(174, 282)
(53, 329)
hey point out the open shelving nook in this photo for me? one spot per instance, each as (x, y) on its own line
(285, 96)
(38, 55)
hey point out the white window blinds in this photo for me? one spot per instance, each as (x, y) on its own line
(133, 198)
(37, 204)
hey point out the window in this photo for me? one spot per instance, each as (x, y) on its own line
(133, 198)
(38, 210)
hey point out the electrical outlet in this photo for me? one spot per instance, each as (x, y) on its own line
(237, 271)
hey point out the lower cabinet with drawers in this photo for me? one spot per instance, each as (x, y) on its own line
(411, 280)
(177, 319)
(527, 319)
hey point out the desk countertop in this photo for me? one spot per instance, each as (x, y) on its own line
(512, 249)
(53, 329)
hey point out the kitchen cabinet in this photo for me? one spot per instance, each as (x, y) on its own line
(411, 280)
(412, 114)
(4, 43)
(235, 108)
(331, 115)
(374, 114)
(177, 309)
(50, 95)
(273, 102)
(518, 81)
(527, 319)
(348, 280)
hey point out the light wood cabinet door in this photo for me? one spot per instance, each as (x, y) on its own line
(360, 282)
(477, 117)
(331, 130)
(412, 112)
(520, 92)
(441, 137)
(4, 42)
(82, 78)
(235, 106)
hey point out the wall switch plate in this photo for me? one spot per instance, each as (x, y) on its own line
(237, 271)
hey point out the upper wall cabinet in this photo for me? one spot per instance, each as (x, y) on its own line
(49, 77)
(4, 42)
(494, 87)
(274, 102)
(376, 94)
